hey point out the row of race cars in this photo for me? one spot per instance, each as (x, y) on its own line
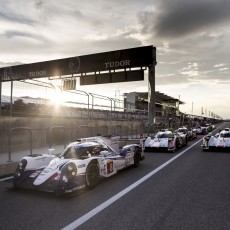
(85, 161)
(167, 140)
(171, 141)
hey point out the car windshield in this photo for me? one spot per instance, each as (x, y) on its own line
(225, 134)
(162, 135)
(182, 130)
(82, 150)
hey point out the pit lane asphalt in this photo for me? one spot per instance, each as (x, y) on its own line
(190, 193)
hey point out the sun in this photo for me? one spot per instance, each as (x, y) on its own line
(56, 97)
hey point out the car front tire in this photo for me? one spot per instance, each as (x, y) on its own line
(92, 175)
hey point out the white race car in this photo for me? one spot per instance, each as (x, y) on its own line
(190, 133)
(80, 165)
(166, 141)
(201, 130)
(221, 141)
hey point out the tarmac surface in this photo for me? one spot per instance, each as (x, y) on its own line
(185, 190)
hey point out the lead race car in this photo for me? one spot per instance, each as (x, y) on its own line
(219, 142)
(165, 140)
(80, 165)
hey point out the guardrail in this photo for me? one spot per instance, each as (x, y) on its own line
(51, 134)
(10, 140)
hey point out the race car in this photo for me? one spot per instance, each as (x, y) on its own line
(209, 127)
(165, 140)
(80, 165)
(190, 133)
(202, 130)
(219, 142)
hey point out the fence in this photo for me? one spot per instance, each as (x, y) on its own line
(42, 99)
(33, 98)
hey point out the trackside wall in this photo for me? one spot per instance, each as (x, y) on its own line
(17, 131)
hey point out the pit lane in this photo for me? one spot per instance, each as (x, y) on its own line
(192, 192)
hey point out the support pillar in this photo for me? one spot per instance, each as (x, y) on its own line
(151, 78)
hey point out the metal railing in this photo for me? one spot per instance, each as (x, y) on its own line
(10, 140)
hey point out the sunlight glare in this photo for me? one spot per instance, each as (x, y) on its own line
(56, 97)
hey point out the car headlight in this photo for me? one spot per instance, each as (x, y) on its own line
(68, 172)
(53, 162)
(20, 168)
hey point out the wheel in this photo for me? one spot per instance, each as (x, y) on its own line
(175, 149)
(92, 175)
(137, 157)
(186, 141)
(177, 145)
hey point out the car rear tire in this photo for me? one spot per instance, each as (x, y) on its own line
(137, 157)
(92, 175)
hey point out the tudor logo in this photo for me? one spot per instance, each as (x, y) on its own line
(114, 64)
(37, 73)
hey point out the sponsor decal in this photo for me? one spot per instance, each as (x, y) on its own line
(35, 173)
(46, 170)
(171, 144)
(89, 139)
(81, 166)
(40, 158)
(128, 160)
(38, 73)
(115, 64)
(222, 143)
(114, 140)
(109, 167)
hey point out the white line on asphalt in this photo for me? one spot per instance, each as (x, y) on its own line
(5, 178)
(101, 207)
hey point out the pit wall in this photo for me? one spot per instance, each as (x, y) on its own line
(19, 132)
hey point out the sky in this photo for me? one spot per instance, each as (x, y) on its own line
(191, 40)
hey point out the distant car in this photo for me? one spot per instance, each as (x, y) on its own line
(190, 133)
(209, 127)
(80, 165)
(221, 141)
(165, 141)
(202, 130)
(183, 130)
(194, 132)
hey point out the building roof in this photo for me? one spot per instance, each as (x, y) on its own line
(160, 97)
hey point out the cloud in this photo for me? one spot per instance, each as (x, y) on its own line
(220, 65)
(175, 19)
(5, 16)
(191, 37)
(4, 64)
